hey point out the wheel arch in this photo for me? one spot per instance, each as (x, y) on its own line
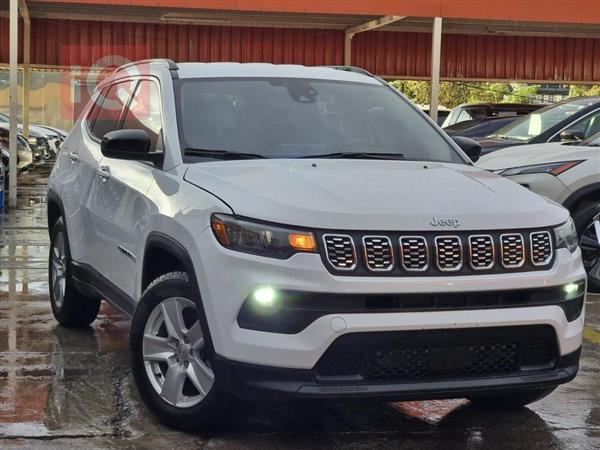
(160, 244)
(583, 195)
(55, 210)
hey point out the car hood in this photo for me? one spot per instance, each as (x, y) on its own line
(527, 155)
(372, 195)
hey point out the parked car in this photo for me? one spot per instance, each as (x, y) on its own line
(24, 153)
(44, 142)
(442, 113)
(479, 111)
(478, 127)
(303, 232)
(567, 174)
(572, 120)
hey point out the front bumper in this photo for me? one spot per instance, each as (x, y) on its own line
(226, 278)
(255, 382)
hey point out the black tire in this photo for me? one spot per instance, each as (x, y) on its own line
(201, 417)
(583, 219)
(73, 310)
(511, 400)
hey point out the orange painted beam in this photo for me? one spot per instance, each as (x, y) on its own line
(565, 11)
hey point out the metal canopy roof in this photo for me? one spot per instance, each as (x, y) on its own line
(559, 11)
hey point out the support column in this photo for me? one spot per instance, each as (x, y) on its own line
(14, 101)
(368, 26)
(26, 65)
(436, 53)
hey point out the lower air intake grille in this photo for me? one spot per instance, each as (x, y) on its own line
(340, 251)
(410, 356)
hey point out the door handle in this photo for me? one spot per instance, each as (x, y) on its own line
(73, 156)
(103, 172)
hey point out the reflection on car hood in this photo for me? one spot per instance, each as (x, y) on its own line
(372, 195)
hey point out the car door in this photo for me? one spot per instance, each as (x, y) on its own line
(123, 191)
(76, 168)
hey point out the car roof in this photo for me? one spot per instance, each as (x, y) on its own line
(264, 70)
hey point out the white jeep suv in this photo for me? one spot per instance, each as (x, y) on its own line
(284, 231)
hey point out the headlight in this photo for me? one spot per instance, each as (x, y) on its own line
(551, 168)
(261, 239)
(32, 141)
(566, 236)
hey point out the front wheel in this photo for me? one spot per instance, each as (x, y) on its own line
(587, 222)
(511, 400)
(171, 354)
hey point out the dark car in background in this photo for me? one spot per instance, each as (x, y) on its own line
(482, 111)
(479, 127)
(44, 141)
(569, 121)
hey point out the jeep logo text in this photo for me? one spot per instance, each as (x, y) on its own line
(445, 222)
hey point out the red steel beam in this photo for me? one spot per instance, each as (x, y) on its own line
(560, 11)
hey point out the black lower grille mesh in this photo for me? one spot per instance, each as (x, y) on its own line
(436, 355)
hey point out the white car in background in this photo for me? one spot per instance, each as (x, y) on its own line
(567, 174)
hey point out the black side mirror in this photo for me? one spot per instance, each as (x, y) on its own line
(130, 145)
(469, 146)
(571, 136)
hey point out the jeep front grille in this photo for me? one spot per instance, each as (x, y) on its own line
(513, 250)
(414, 253)
(449, 255)
(481, 249)
(541, 248)
(431, 254)
(340, 251)
(379, 254)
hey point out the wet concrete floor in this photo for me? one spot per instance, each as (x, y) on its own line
(66, 389)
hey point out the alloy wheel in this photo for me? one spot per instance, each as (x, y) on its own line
(58, 275)
(590, 248)
(174, 351)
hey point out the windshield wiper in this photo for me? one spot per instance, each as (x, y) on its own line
(356, 155)
(221, 154)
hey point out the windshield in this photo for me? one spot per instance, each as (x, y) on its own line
(536, 123)
(302, 118)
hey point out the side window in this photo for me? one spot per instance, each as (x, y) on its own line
(144, 114)
(578, 131)
(111, 103)
(93, 112)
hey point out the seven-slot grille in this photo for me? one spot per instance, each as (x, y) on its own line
(341, 253)
(482, 251)
(513, 250)
(541, 248)
(431, 254)
(449, 254)
(379, 254)
(414, 253)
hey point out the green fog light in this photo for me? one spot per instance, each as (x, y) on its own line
(265, 296)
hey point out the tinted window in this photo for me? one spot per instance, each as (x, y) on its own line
(94, 110)
(584, 128)
(536, 123)
(144, 113)
(291, 118)
(111, 105)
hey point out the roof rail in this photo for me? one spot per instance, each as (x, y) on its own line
(353, 69)
(168, 63)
